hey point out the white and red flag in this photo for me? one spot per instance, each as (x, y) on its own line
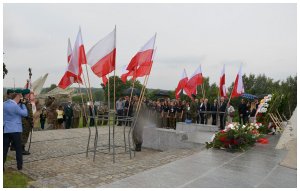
(78, 56)
(68, 79)
(181, 84)
(102, 56)
(145, 67)
(238, 88)
(195, 80)
(144, 55)
(124, 74)
(74, 68)
(222, 87)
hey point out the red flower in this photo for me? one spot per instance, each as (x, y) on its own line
(235, 142)
(263, 141)
(222, 139)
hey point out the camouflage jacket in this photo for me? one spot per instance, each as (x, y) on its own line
(27, 122)
(193, 109)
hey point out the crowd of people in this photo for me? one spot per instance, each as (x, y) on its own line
(166, 112)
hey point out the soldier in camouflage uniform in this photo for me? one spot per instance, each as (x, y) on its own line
(76, 115)
(51, 114)
(100, 112)
(27, 122)
(172, 116)
(179, 112)
(165, 114)
(84, 116)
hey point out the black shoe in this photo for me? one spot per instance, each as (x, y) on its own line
(26, 153)
(20, 167)
(138, 147)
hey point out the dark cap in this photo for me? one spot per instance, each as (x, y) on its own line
(10, 91)
(18, 91)
(25, 91)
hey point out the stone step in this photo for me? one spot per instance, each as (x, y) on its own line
(184, 127)
(199, 137)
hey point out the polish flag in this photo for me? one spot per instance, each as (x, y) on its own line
(74, 78)
(68, 79)
(145, 68)
(102, 56)
(181, 84)
(238, 88)
(124, 74)
(144, 55)
(194, 81)
(77, 57)
(222, 87)
(69, 50)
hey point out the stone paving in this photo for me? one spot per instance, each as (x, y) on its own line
(58, 159)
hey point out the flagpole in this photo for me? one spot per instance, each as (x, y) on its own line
(93, 112)
(108, 117)
(114, 114)
(86, 120)
(115, 71)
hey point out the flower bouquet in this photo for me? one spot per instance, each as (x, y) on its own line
(236, 137)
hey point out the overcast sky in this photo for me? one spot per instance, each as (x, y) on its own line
(261, 36)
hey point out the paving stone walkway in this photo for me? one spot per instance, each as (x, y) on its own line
(58, 159)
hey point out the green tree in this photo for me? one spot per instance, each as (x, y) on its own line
(120, 87)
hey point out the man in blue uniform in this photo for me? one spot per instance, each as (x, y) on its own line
(13, 111)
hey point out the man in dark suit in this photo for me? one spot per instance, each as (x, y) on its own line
(222, 109)
(243, 115)
(214, 108)
(68, 111)
(205, 108)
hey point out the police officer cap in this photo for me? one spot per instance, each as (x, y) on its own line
(25, 91)
(9, 91)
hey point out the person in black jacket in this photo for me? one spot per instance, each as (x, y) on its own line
(243, 115)
(222, 108)
(214, 108)
(68, 111)
(205, 107)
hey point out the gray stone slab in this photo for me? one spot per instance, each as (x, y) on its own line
(280, 177)
(166, 139)
(192, 127)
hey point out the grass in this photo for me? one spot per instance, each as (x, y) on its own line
(9, 158)
(15, 179)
